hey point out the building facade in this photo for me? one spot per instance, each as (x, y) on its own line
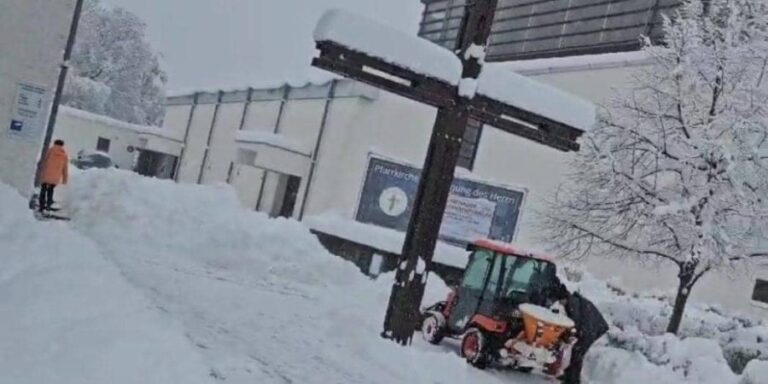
(33, 34)
(147, 150)
(309, 151)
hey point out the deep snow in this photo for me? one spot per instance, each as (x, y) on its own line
(177, 283)
(67, 314)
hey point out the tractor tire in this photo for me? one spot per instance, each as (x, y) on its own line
(474, 348)
(432, 329)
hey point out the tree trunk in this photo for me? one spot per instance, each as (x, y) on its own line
(685, 279)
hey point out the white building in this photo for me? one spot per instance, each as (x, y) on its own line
(148, 150)
(33, 34)
(309, 150)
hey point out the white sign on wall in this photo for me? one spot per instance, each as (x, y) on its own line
(467, 218)
(27, 118)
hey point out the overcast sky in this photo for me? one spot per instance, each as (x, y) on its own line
(223, 43)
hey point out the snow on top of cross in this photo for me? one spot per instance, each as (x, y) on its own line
(368, 36)
(538, 98)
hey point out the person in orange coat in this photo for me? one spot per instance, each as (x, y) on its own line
(55, 171)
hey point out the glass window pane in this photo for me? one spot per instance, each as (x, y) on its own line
(474, 277)
(437, 5)
(434, 16)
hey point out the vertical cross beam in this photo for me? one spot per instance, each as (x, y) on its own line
(403, 313)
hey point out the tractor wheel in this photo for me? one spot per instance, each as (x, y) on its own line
(431, 330)
(474, 348)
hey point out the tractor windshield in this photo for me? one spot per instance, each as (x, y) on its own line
(526, 280)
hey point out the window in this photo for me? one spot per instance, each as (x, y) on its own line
(470, 144)
(102, 145)
(760, 293)
(474, 277)
(555, 28)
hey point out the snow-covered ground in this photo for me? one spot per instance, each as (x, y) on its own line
(158, 282)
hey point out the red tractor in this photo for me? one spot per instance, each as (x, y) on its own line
(502, 314)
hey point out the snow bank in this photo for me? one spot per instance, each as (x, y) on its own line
(755, 373)
(160, 220)
(261, 298)
(368, 36)
(68, 316)
(264, 302)
(711, 347)
(385, 239)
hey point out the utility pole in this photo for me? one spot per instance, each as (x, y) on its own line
(59, 87)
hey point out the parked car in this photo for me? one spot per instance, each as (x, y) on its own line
(87, 160)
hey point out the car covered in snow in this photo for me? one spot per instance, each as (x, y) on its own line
(93, 159)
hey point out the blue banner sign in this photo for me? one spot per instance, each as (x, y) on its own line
(475, 209)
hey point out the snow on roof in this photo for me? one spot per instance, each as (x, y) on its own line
(514, 249)
(385, 239)
(312, 78)
(108, 121)
(538, 98)
(576, 63)
(368, 36)
(272, 139)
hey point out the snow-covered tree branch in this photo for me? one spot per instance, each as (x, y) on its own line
(676, 173)
(115, 72)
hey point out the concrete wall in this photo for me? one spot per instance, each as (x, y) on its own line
(33, 34)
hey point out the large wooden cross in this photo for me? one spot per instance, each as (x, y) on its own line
(455, 108)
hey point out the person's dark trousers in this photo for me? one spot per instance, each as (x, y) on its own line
(46, 197)
(572, 374)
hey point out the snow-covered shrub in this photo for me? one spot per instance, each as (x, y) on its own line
(638, 326)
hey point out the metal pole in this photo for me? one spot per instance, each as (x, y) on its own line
(208, 141)
(186, 137)
(316, 151)
(59, 88)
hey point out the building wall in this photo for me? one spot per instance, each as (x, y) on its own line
(33, 34)
(83, 134)
(391, 126)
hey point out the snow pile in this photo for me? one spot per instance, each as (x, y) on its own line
(160, 220)
(368, 36)
(260, 298)
(384, 239)
(264, 302)
(711, 347)
(68, 316)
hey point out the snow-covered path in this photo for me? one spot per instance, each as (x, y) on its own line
(260, 299)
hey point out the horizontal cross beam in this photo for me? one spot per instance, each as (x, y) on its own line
(380, 74)
(424, 89)
(522, 123)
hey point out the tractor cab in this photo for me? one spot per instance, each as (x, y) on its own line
(498, 278)
(501, 311)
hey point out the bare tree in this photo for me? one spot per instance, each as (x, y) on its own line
(676, 173)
